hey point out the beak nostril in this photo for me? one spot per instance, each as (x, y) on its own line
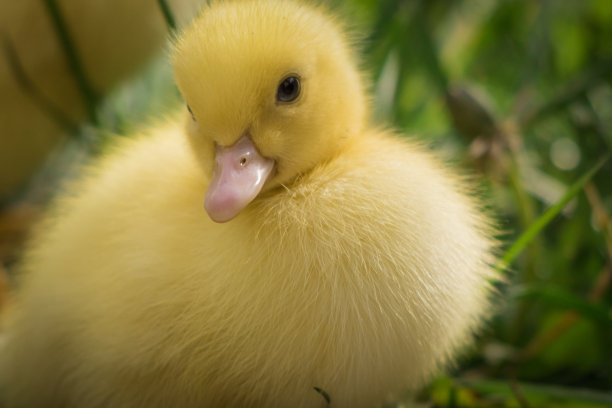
(239, 176)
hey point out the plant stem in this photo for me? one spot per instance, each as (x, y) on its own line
(87, 92)
(168, 16)
(29, 88)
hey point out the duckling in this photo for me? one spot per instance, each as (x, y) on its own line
(332, 259)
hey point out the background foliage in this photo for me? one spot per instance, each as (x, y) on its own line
(520, 93)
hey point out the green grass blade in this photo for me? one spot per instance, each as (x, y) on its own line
(546, 218)
(168, 16)
(89, 95)
(29, 88)
(558, 393)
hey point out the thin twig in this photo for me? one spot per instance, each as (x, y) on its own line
(602, 284)
(546, 338)
(518, 393)
(324, 394)
(602, 218)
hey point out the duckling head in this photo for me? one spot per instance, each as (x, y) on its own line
(272, 88)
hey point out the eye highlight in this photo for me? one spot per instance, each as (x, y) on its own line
(288, 90)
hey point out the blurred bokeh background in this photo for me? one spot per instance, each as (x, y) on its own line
(518, 93)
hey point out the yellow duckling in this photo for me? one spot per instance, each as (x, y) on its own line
(343, 257)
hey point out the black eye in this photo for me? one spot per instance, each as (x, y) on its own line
(192, 115)
(288, 90)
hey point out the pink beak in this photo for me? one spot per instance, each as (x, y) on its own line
(239, 175)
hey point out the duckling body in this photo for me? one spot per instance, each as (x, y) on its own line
(361, 275)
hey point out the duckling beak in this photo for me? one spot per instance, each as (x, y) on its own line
(239, 175)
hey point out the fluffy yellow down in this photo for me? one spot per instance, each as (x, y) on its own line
(361, 268)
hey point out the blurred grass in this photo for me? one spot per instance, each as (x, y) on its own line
(521, 94)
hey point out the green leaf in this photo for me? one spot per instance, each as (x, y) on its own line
(539, 224)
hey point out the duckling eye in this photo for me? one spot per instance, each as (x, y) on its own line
(192, 115)
(288, 90)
